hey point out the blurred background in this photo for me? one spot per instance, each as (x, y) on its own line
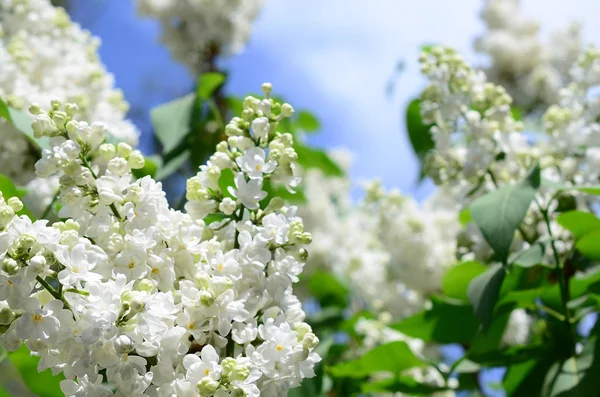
(352, 63)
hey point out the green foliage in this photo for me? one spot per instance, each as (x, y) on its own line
(393, 357)
(171, 121)
(498, 214)
(457, 278)
(208, 83)
(42, 384)
(589, 245)
(22, 122)
(418, 133)
(484, 291)
(226, 180)
(531, 256)
(151, 167)
(172, 166)
(446, 322)
(308, 122)
(316, 158)
(8, 189)
(402, 384)
(579, 223)
(328, 290)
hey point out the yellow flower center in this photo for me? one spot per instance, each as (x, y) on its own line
(257, 167)
(131, 265)
(37, 318)
(155, 270)
(206, 372)
(279, 348)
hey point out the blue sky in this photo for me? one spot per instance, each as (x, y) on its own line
(333, 57)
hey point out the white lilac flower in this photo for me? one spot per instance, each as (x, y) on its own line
(162, 302)
(531, 69)
(44, 55)
(195, 31)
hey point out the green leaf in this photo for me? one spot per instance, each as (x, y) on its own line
(464, 217)
(393, 357)
(525, 379)
(171, 121)
(315, 158)
(208, 83)
(42, 384)
(579, 285)
(484, 291)
(22, 122)
(8, 189)
(593, 190)
(563, 377)
(589, 245)
(328, 290)
(4, 112)
(172, 166)
(151, 166)
(506, 356)
(226, 180)
(297, 197)
(308, 122)
(402, 384)
(418, 132)
(499, 213)
(456, 280)
(579, 223)
(444, 323)
(531, 256)
(217, 217)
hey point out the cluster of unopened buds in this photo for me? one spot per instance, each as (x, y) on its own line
(127, 296)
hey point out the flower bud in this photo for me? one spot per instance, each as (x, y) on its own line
(37, 263)
(123, 149)
(145, 285)
(10, 266)
(207, 386)
(107, 151)
(239, 372)
(35, 109)
(6, 215)
(15, 204)
(136, 160)
(310, 341)
(287, 110)
(71, 109)
(7, 316)
(266, 89)
(227, 206)
(228, 364)
(123, 344)
(55, 103)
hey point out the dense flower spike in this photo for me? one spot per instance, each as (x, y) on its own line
(530, 69)
(128, 293)
(44, 55)
(197, 30)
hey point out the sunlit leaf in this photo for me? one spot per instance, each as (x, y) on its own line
(309, 157)
(208, 83)
(443, 323)
(393, 357)
(42, 384)
(456, 280)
